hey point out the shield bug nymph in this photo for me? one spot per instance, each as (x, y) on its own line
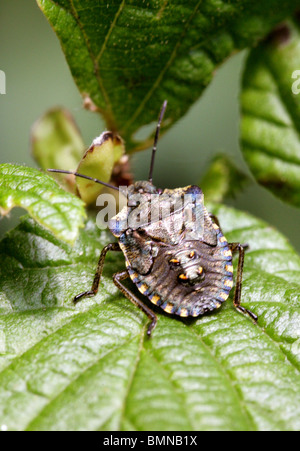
(175, 251)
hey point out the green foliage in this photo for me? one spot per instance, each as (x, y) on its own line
(56, 141)
(222, 180)
(271, 113)
(92, 366)
(128, 57)
(40, 195)
(98, 162)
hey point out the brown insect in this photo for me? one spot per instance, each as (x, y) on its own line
(183, 269)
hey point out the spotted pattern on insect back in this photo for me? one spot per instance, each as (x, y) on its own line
(189, 279)
(174, 250)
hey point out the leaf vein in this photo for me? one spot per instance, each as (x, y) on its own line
(163, 71)
(112, 26)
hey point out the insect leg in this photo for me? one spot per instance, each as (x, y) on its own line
(237, 247)
(95, 287)
(118, 278)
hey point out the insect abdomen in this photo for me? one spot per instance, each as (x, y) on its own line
(188, 279)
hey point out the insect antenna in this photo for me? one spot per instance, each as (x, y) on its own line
(59, 171)
(162, 112)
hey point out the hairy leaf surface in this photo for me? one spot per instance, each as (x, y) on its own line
(128, 56)
(41, 196)
(91, 367)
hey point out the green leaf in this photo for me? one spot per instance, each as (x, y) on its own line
(270, 128)
(57, 143)
(222, 180)
(128, 57)
(40, 195)
(98, 162)
(91, 367)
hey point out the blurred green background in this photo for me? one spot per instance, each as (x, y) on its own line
(38, 78)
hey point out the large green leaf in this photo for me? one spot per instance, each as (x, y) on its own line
(127, 57)
(40, 195)
(93, 367)
(270, 129)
